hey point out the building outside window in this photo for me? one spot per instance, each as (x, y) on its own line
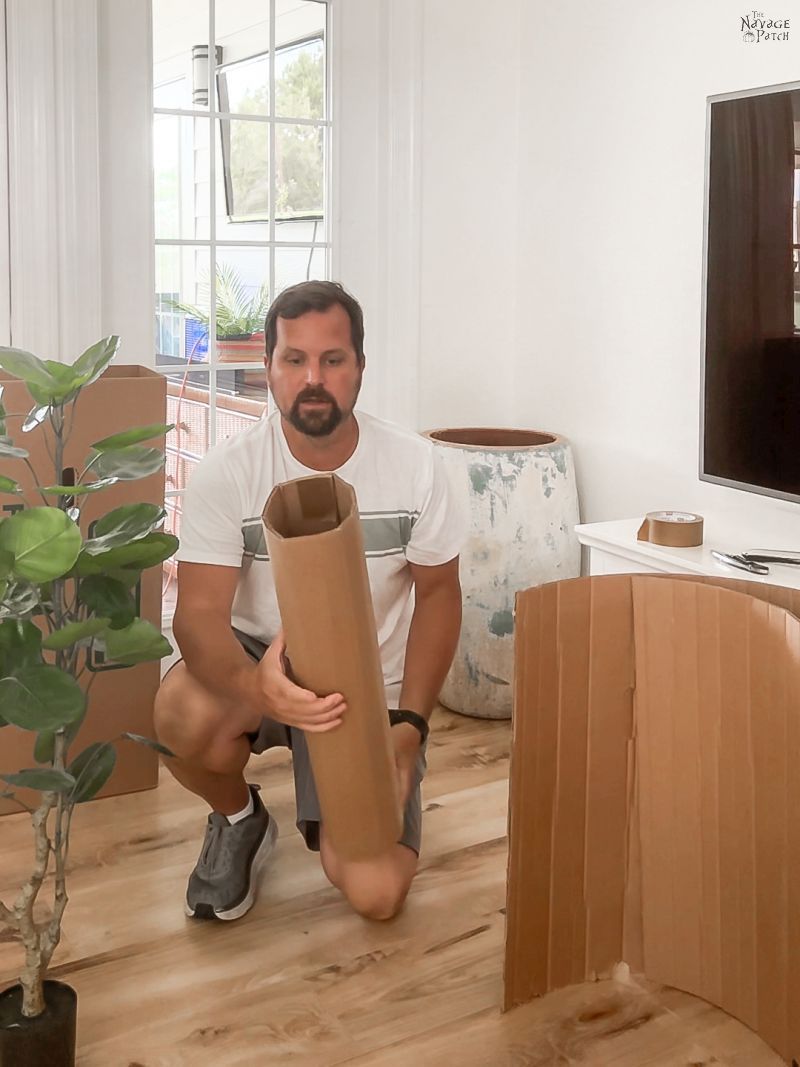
(241, 151)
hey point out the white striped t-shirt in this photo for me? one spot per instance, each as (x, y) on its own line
(408, 513)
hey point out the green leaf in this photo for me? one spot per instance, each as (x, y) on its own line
(12, 452)
(123, 525)
(42, 396)
(76, 490)
(41, 697)
(73, 632)
(46, 781)
(91, 770)
(20, 645)
(90, 365)
(72, 729)
(45, 736)
(26, 366)
(141, 554)
(44, 542)
(108, 596)
(36, 417)
(8, 485)
(133, 436)
(63, 388)
(137, 643)
(61, 372)
(19, 599)
(141, 740)
(130, 520)
(128, 577)
(53, 384)
(45, 748)
(6, 562)
(129, 463)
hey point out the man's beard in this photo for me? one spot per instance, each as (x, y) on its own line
(315, 423)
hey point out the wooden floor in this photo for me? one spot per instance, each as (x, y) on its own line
(302, 980)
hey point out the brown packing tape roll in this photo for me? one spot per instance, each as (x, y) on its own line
(674, 529)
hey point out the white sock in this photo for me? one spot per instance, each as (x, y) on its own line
(248, 809)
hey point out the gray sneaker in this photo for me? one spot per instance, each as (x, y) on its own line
(224, 882)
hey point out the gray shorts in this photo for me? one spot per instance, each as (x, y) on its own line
(272, 734)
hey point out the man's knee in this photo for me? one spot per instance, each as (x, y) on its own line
(184, 719)
(380, 900)
(377, 889)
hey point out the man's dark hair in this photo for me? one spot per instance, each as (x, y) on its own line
(299, 299)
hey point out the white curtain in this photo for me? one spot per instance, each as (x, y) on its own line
(79, 189)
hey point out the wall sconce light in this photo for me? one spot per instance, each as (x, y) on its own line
(200, 75)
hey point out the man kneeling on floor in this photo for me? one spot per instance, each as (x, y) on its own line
(230, 695)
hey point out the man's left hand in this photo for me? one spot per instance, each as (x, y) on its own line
(407, 743)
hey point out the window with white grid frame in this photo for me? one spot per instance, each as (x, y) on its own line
(241, 130)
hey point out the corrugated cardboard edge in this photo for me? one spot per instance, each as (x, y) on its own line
(563, 884)
(549, 940)
(326, 609)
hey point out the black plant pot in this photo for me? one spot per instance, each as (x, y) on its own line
(48, 1040)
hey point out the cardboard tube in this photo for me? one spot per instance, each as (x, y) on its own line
(674, 529)
(320, 572)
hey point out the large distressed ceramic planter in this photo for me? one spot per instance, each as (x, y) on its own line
(523, 507)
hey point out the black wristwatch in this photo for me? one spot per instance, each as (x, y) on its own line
(399, 715)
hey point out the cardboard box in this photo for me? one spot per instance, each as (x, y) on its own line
(655, 805)
(120, 698)
(317, 553)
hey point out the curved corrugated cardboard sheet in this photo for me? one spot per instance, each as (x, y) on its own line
(654, 814)
(317, 552)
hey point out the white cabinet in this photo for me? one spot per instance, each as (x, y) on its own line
(614, 549)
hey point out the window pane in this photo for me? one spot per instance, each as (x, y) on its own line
(187, 443)
(303, 231)
(242, 31)
(299, 59)
(244, 86)
(243, 175)
(187, 408)
(242, 302)
(181, 175)
(241, 399)
(300, 80)
(299, 171)
(294, 265)
(180, 28)
(181, 306)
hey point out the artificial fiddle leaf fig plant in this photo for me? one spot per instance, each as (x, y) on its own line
(65, 595)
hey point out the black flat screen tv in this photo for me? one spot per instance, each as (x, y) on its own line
(750, 432)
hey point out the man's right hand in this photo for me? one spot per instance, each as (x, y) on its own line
(289, 703)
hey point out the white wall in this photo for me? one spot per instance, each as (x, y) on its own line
(612, 143)
(425, 180)
(376, 188)
(470, 213)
